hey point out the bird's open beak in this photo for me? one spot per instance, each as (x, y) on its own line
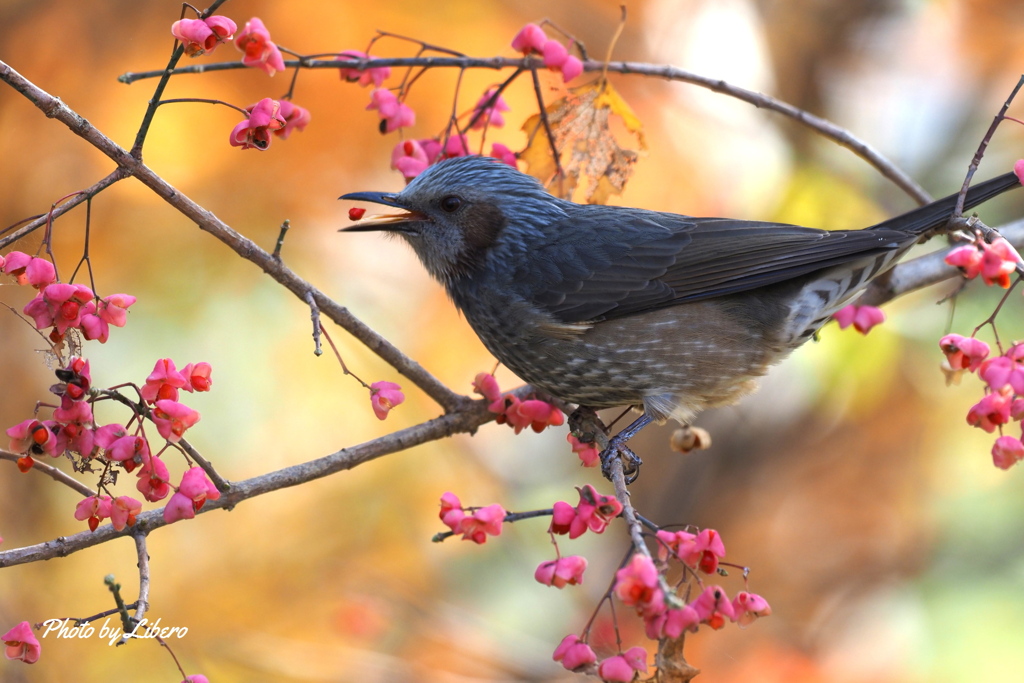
(396, 222)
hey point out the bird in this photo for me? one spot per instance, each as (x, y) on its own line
(606, 306)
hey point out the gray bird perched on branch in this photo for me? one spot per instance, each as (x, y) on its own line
(606, 306)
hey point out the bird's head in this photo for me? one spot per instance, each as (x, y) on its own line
(458, 212)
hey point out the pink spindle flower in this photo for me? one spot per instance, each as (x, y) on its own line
(473, 527)
(114, 308)
(557, 58)
(671, 623)
(573, 654)
(967, 258)
(195, 489)
(295, 118)
(94, 508)
(1007, 452)
(963, 353)
(863, 318)
(747, 607)
(173, 418)
(531, 413)
(76, 377)
(154, 479)
(76, 427)
(456, 146)
(28, 270)
(123, 511)
(594, 512)
(197, 376)
(111, 310)
(376, 75)
(163, 382)
(409, 159)
(178, 507)
(33, 437)
(483, 522)
(699, 551)
(61, 305)
(487, 386)
(998, 261)
(201, 36)
(129, 449)
(531, 38)
(992, 410)
(1003, 371)
(636, 584)
(393, 114)
(565, 571)
(713, 607)
(488, 113)
(623, 668)
(198, 487)
(260, 51)
(451, 513)
(21, 643)
(384, 396)
(255, 132)
(587, 452)
(994, 262)
(504, 155)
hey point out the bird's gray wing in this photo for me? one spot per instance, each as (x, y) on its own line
(628, 261)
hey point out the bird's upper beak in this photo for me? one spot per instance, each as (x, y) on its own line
(396, 222)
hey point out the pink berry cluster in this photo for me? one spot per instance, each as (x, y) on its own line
(640, 584)
(516, 413)
(268, 117)
(531, 39)
(73, 431)
(202, 36)
(1003, 375)
(63, 306)
(475, 524)
(863, 318)
(411, 157)
(1003, 401)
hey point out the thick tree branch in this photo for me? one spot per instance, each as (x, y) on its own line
(926, 270)
(467, 420)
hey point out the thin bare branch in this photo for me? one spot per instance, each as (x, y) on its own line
(467, 420)
(52, 472)
(822, 126)
(76, 199)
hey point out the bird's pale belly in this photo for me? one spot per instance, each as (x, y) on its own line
(667, 365)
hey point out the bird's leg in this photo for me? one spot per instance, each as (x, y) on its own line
(617, 449)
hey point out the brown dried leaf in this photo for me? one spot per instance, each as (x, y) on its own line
(587, 148)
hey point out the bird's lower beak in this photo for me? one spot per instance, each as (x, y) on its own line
(397, 222)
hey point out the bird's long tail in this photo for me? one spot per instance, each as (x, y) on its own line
(931, 216)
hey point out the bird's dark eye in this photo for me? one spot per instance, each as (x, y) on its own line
(451, 203)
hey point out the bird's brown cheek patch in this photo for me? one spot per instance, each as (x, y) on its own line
(483, 223)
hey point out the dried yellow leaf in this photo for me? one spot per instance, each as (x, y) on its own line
(585, 144)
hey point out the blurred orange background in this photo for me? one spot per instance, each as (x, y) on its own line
(870, 514)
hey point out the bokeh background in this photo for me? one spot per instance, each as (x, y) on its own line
(871, 515)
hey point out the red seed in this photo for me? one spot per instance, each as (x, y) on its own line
(355, 213)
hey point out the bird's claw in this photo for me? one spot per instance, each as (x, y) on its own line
(631, 462)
